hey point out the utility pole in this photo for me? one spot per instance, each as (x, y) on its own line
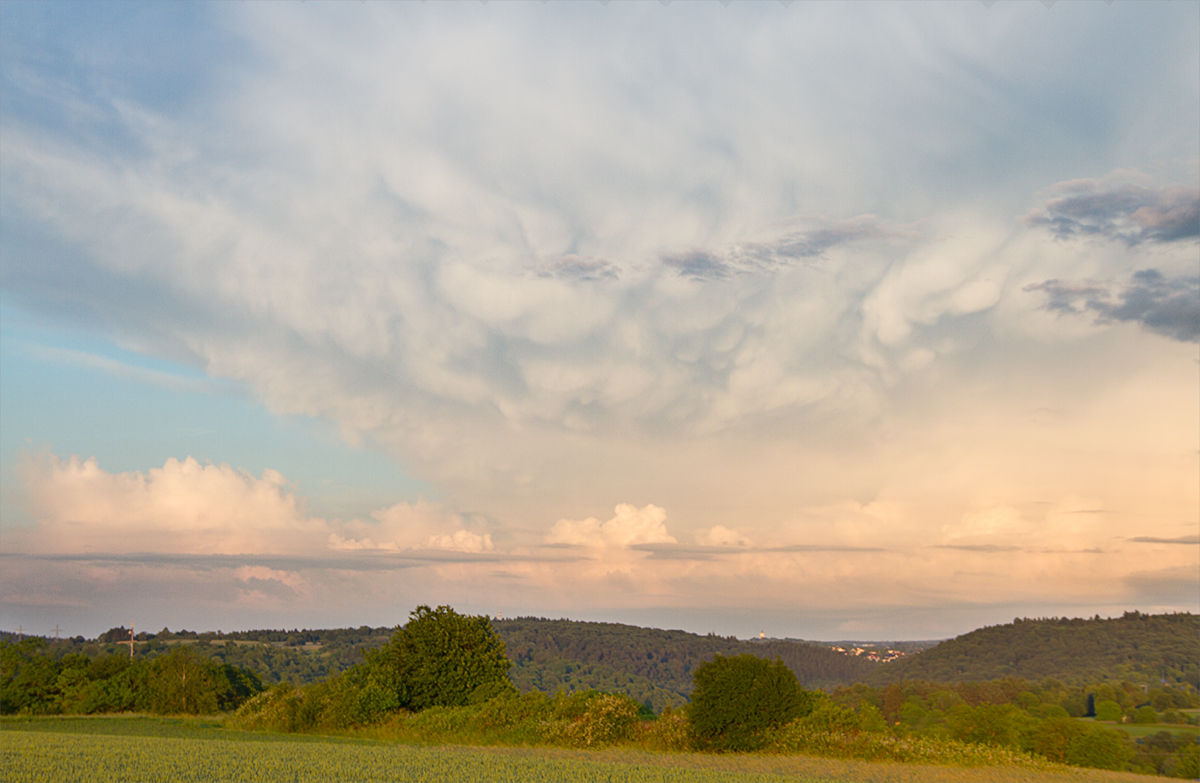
(56, 632)
(130, 642)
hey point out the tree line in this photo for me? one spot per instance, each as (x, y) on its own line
(178, 682)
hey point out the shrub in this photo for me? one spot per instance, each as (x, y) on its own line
(1108, 710)
(1188, 765)
(1145, 714)
(607, 719)
(1099, 748)
(1054, 734)
(737, 700)
(276, 709)
(670, 731)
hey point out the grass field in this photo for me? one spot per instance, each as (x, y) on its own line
(1146, 729)
(119, 749)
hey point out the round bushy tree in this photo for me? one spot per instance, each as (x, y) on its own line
(443, 658)
(737, 700)
(1145, 714)
(1108, 710)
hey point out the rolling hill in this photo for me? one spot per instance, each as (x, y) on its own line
(1139, 648)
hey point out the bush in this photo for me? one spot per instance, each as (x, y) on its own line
(607, 718)
(1108, 710)
(1054, 735)
(737, 700)
(670, 732)
(442, 658)
(1099, 748)
(1145, 714)
(277, 709)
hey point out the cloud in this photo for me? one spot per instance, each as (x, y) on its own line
(574, 267)
(1175, 585)
(1192, 540)
(1166, 306)
(630, 526)
(181, 507)
(1126, 213)
(821, 235)
(719, 535)
(698, 265)
(188, 509)
(557, 264)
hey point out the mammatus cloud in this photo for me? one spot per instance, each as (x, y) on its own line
(630, 526)
(1166, 306)
(1120, 212)
(820, 235)
(574, 267)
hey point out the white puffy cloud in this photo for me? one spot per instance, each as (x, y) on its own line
(182, 507)
(412, 526)
(185, 508)
(719, 535)
(629, 526)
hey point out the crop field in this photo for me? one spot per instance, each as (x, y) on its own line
(149, 749)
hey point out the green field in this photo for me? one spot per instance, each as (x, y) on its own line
(1146, 729)
(121, 749)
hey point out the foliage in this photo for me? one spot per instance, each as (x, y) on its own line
(1108, 710)
(35, 682)
(441, 658)
(648, 663)
(607, 718)
(1145, 714)
(881, 746)
(737, 700)
(1099, 748)
(1138, 648)
(275, 656)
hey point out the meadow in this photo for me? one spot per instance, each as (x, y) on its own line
(120, 749)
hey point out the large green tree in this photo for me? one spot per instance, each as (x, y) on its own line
(737, 700)
(442, 658)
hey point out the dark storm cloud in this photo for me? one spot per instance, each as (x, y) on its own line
(1127, 213)
(1166, 306)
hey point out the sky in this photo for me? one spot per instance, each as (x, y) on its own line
(829, 320)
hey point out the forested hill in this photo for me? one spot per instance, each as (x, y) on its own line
(1138, 648)
(647, 663)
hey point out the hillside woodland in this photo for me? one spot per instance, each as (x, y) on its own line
(1136, 648)
(652, 666)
